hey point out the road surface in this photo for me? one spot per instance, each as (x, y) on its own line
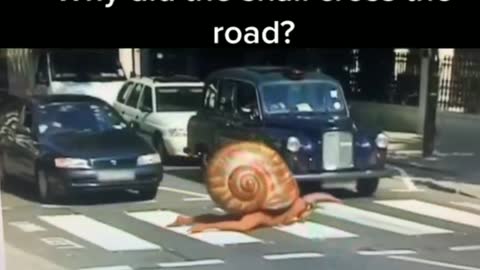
(400, 228)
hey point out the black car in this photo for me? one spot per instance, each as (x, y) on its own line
(303, 115)
(69, 143)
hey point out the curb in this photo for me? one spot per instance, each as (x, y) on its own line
(450, 187)
(437, 185)
(418, 166)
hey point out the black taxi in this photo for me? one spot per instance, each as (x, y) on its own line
(301, 114)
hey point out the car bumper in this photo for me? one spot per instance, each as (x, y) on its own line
(176, 146)
(88, 180)
(340, 176)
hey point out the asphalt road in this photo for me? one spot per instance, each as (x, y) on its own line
(397, 229)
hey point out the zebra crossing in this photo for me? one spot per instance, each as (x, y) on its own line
(108, 236)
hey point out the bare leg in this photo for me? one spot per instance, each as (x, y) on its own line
(245, 224)
(209, 218)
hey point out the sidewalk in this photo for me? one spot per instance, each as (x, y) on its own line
(454, 166)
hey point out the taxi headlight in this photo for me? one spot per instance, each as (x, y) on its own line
(293, 144)
(382, 141)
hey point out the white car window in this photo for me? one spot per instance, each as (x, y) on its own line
(134, 96)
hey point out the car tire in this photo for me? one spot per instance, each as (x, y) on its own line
(4, 177)
(367, 187)
(44, 190)
(204, 162)
(149, 194)
(161, 149)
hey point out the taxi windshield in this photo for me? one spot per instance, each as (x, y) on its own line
(303, 97)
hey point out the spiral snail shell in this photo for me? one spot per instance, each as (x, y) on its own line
(247, 177)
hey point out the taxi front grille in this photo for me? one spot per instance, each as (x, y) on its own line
(337, 151)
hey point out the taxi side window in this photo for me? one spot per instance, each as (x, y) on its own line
(246, 99)
(227, 90)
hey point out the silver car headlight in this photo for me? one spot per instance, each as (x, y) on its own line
(293, 144)
(150, 159)
(382, 141)
(71, 163)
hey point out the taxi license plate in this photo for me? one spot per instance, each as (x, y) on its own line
(116, 175)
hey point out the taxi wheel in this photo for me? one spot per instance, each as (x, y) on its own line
(367, 187)
(204, 162)
(44, 190)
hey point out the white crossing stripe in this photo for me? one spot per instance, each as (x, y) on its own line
(100, 234)
(276, 257)
(310, 230)
(465, 248)
(435, 263)
(61, 243)
(120, 267)
(220, 238)
(186, 192)
(435, 211)
(376, 220)
(197, 199)
(27, 227)
(467, 205)
(191, 263)
(385, 252)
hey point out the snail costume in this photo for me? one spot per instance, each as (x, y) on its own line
(252, 183)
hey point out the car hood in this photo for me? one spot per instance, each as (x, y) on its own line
(172, 119)
(310, 124)
(96, 145)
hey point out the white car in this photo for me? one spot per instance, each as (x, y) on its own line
(160, 108)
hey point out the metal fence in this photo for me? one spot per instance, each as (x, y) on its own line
(459, 89)
(399, 83)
